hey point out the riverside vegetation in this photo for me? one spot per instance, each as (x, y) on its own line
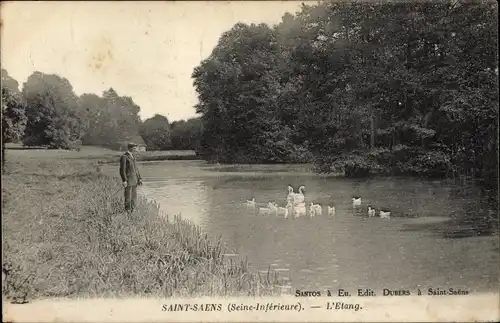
(393, 88)
(64, 235)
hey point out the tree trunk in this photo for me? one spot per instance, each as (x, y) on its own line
(359, 133)
(3, 156)
(372, 128)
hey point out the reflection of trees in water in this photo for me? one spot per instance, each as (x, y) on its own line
(479, 216)
(473, 212)
(233, 181)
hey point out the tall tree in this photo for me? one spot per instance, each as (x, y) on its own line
(13, 112)
(122, 116)
(54, 119)
(111, 118)
(186, 135)
(94, 109)
(156, 132)
(237, 91)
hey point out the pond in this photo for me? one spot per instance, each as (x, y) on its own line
(441, 234)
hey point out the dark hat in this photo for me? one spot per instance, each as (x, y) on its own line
(131, 144)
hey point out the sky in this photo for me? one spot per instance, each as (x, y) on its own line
(145, 50)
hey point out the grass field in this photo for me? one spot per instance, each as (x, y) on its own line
(65, 235)
(101, 154)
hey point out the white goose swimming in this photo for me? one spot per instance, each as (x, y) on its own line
(356, 201)
(371, 212)
(250, 203)
(315, 209)
(273, 206)
(385, 214)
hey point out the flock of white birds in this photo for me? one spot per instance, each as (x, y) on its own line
(296, 206)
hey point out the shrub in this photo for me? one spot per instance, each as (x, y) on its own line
(300, 154)
(431, 164)
(355, 164)
(360, 166)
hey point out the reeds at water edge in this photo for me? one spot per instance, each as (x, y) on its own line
(66, 235)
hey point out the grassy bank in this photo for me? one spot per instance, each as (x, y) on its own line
(65, 235)
(98, 154)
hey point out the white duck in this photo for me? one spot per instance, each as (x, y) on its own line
(312, 210)
(331, 210)
(356, 201)
(315, 209)
(250, 203)
(371, 212)
(273, 206)
(385, 214)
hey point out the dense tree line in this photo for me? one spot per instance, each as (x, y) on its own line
(13, 112)
(159, 134)
(47, 113)
(54, 117)
(186, 134)
(111, 118)
(156, 132)
(402, 88)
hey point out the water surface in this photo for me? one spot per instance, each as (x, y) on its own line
(441, 233)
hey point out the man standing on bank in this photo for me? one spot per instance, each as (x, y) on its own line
(131, 177)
